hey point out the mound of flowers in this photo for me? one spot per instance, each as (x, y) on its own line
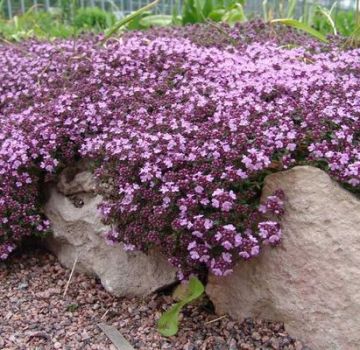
(180, 134)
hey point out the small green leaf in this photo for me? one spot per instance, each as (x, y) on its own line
(168, 324)
(195, 290)
(301, 26)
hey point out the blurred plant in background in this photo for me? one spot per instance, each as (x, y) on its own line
(197, 11)
(93, 18)
(344, 22)
(66, 21)
(70, 18)
(194, 11)
(34, 24)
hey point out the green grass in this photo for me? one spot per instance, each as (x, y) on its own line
(70, 21)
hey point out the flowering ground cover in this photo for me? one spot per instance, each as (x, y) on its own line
(180, 127)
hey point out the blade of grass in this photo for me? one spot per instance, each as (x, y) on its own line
(327, 14)
(176, 18)
(354, 39)
(128, 19)
(301, 26)
(156, 21)
(265, 9)
(2, 8)
(291, 8)
(71, 274)
(113, 5)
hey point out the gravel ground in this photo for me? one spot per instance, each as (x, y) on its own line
(35, 315)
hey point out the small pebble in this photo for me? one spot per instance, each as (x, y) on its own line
(256, 336)
(36, 315)
(23, 285)
(233, 344)
(189, 347)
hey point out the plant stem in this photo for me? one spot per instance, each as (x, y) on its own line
(128, 18)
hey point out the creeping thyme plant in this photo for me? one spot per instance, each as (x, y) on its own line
(181, 126)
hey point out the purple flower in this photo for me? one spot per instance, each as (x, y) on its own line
(179, 125)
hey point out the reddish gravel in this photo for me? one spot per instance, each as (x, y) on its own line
(35, 315)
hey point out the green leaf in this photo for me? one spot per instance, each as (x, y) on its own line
(291, 8)
(265, 10)
(199, 5)
(1, 7)
(208, 7)
(195, 290)
(135, 23)
(354, 38)
(189, 14)
(301, 26)
(235, 15)
(168, 324)
(327, 14)
(176, 18)
(156, 21)
(128, 19)
(217, 15)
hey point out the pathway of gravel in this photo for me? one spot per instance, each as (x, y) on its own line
(35, 315)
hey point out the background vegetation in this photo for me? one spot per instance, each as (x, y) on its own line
(69, 18)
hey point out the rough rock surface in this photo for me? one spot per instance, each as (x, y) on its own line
(312, 281)
(77, 232)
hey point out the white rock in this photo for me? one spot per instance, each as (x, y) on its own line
(82, 182)
(312, 281)
(77, 232)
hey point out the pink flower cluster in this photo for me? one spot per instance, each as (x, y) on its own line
(180, 134)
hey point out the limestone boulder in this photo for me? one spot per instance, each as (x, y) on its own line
(311, 281)
(78, 234)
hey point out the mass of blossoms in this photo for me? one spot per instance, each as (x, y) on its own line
(180, 130)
